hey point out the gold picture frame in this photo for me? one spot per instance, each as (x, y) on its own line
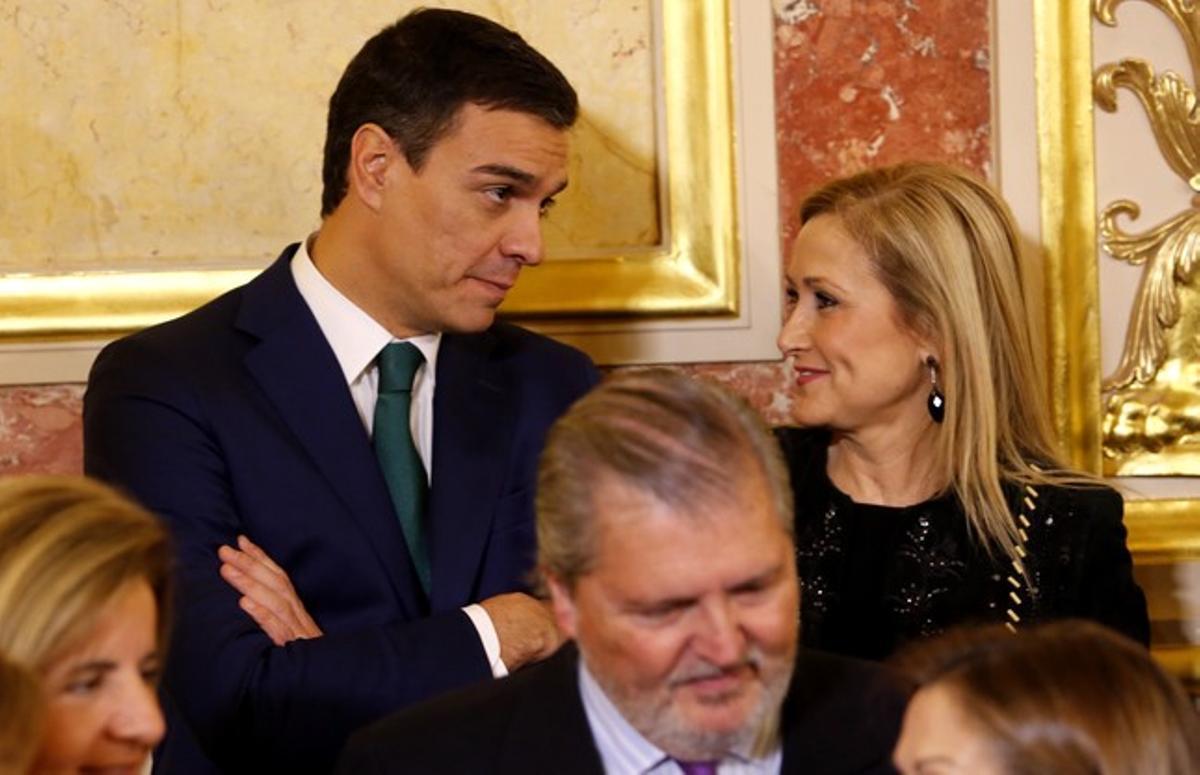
(1160, 531)
(694, 271)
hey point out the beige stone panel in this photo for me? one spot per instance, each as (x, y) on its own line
(141, 133)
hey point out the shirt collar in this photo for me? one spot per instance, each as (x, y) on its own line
(353, 335)
(622, 748)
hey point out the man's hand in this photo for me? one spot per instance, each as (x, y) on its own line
(267, 593)
(525, 627)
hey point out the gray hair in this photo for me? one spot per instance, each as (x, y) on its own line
(686, 442)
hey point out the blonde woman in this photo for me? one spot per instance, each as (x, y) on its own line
(1069, 698)
(83, 587)
(928, 488)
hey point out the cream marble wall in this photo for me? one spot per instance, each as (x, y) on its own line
(167, 134)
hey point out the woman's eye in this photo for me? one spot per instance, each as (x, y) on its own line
(546, 207)
(824, 300)
(85, 684)
(792, 296)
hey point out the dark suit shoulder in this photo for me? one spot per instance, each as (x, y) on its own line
(514, 724)
(456, 732)
(842, 715)
(197, 337)
(188, 336)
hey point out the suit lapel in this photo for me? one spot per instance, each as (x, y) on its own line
(549, 731)
(473, 416)
(300, 376)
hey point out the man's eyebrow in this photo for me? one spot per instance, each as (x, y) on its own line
(505, 171)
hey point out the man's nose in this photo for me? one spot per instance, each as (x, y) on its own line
(720, 639)
(139, 718)
(522, 240)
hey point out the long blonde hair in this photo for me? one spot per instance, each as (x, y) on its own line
(946, 247)
(67, 546)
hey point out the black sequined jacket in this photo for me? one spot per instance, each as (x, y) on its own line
(875, 577)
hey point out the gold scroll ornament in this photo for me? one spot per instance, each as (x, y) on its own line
(1152, 399)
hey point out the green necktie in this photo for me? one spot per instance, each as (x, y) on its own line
(402, 468)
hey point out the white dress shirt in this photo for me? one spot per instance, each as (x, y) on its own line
(623, 750)
(356, 339)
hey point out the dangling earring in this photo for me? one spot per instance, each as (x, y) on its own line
(937, 401)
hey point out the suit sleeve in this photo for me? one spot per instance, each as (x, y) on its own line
(1108, 592)
(292, 706)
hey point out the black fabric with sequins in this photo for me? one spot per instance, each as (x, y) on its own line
(875, 577)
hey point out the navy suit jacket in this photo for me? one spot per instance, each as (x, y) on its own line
(236, 418)
(841, 716)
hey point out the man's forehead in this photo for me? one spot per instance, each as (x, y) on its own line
(508, 146)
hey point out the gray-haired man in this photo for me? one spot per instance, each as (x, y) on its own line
(665, 537)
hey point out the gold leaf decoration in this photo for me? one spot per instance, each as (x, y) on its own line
(1152, 401)
(1169, 251)
(1181, 12)
(1170, 105)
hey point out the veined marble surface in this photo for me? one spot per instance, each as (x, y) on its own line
(161, 135)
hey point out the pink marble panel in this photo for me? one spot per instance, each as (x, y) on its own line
(41, 429)
(861, 83)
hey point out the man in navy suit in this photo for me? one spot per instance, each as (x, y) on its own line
(665, 534)
(256, 421)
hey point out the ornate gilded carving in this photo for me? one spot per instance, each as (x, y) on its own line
(1152, 399)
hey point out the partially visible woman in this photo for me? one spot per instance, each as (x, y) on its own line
(928, 488)
(83, 592)
(1070, 697)
(20, 717)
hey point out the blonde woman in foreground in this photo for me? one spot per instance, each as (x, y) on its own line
(83, 588)
(928, 488)
(1070, 698)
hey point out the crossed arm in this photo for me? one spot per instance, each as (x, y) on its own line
(524, 625)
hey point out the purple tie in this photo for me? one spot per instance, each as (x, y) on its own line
(697, 768)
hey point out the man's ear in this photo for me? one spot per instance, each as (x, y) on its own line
(372, 153)
(564, 606)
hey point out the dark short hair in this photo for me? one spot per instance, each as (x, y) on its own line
(414, 76)
(685, 442)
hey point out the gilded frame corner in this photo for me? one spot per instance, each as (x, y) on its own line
(693, 271)
(1160, 531)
